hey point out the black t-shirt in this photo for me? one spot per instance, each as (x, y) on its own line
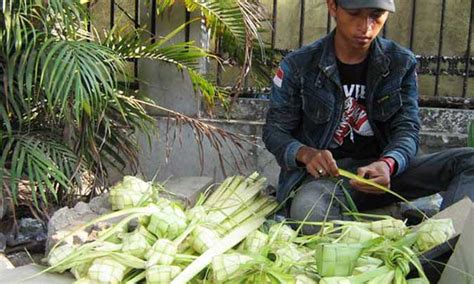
(354, 136)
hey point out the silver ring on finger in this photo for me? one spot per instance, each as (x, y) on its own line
(320, 171)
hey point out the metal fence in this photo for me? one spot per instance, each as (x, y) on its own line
(433, 65)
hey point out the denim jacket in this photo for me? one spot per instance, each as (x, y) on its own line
(306, 108)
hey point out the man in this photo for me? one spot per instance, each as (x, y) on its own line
(349, 101)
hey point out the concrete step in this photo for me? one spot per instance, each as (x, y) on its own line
(5, 263)
(23, 274)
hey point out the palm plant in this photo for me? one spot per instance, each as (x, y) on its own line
(66, 110)
(236, 26)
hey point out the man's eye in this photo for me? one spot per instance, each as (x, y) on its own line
(377, 15)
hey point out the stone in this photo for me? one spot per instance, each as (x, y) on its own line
(22, 258)
(82, 208)
(21, 275)
(29, 230)
(3, 243)
(3, 206)
(100, 204)
(186, 189)
(66, 220)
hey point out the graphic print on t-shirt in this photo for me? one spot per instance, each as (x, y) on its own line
(354, 118)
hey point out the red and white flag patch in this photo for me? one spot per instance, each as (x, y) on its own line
(278, 79)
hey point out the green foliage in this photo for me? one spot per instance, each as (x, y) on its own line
(238, 26)
(66, 109)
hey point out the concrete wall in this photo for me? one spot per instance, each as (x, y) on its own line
(441, 129)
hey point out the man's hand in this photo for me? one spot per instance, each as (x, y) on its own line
(318, 162)
(378, 172)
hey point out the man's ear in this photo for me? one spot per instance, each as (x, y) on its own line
(332, 7)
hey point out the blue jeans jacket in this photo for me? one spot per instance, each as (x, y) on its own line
(307, 107)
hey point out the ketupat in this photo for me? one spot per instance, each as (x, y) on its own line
(135, 244)
(226, 266)
(434, 232)
(161, 274)
(280, 237)
(163, 252)
(255, 242)
(281, 233)
(203, 238)
(389, 228)
(106, 270)
(353, 234)
(289, 255)
(128, 192)
(337, 259)
(59, 254)
(167, 225)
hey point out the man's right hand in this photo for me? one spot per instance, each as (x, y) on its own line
(318, 162)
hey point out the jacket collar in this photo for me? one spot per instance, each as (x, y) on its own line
(378, 62)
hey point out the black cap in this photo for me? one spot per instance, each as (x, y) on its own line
(387, 5)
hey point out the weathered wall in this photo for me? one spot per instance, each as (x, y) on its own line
(441, 129)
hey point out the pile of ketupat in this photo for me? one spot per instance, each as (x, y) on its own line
(225, 238)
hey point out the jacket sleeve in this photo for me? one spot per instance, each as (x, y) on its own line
(405, 126)
(284, 116)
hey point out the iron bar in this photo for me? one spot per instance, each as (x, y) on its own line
(153, 20)
(112, 14)
(187, 29)
(274, 18)
(412, 26)
(137, 25)
(467, 70)
(127, 14)
(89, 20)
(137, 14)
(440, 48)
(302, 18)
(219, 67)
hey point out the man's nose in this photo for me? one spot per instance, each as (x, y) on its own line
(367, 24)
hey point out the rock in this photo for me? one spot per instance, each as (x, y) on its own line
(100, 204)
(2, 206)
(82, 208)
(30, 230)
(22, 258)
(3, 243)
(186, 189)
(67, 220)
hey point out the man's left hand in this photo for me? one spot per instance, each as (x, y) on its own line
(378, 172)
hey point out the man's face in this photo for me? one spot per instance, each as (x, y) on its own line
(358, 28)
